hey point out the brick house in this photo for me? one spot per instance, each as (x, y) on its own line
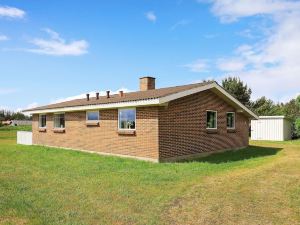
(165, 124)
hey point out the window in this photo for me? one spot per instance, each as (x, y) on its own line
(92, 116)
(59, 120)
(42, 121)
(230, 120)
(211, 119)
(127, 119)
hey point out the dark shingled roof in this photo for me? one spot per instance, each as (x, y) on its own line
(130, 96)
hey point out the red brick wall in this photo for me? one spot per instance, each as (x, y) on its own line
(104, 138)
(182, 126)
(182, 130)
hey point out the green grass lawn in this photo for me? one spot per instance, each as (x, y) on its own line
(40, 185)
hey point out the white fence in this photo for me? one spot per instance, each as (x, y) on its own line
(24, 138)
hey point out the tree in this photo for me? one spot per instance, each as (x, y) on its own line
(10, 115)
(297, 127)
(291, 109)
(238, 89)
(266, 107)
(298, 101)
(18, 116)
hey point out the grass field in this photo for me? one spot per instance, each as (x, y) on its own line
(40, 185)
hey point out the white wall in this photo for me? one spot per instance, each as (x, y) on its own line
(271, 128)
(24, 138)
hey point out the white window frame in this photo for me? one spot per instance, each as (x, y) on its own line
(54, 120)
(40, 115)
(233, 120)
(86, 115)
(214, 128)
(119, 118)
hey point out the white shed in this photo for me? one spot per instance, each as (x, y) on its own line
(273, 128)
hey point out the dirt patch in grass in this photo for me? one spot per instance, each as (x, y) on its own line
(13, 221)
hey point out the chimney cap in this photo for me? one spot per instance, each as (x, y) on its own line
(147, 77)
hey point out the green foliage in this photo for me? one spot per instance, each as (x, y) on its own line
(10, 115)
(298, 101)
(297, 127)
(238, 89)
(291, 109)
(266, 107)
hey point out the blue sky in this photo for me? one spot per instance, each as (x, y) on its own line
(52, 50)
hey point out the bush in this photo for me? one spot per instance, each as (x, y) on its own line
(297, 127)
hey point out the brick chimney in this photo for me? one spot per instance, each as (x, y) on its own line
(147, 83)
(107, 94)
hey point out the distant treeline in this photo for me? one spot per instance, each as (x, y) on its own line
(10, 115)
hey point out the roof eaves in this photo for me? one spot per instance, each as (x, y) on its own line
(154, 101)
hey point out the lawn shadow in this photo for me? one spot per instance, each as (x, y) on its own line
(238, 155)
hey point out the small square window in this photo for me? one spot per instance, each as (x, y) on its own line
(92, 116)
(230, 120)
(211, 119)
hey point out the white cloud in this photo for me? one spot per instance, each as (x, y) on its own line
(271, 65)
(11, 12)
(247, 33)
(232, 10)
(92, 94)
(230, 65)
(3, 38)
(200, 65)
(287, 98)
(29, 106)
(180, 24)
(20, 109)
(57, 46)
(32, 105)
(6, 91)
(151, 16)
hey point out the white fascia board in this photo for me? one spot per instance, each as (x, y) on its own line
(235, 101)
(203, 88)
(98, 106)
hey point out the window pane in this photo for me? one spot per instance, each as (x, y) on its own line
(92, 115)
(211, 119)
(127, 119)
(59, 120)
(42, 121)
(230, 120)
